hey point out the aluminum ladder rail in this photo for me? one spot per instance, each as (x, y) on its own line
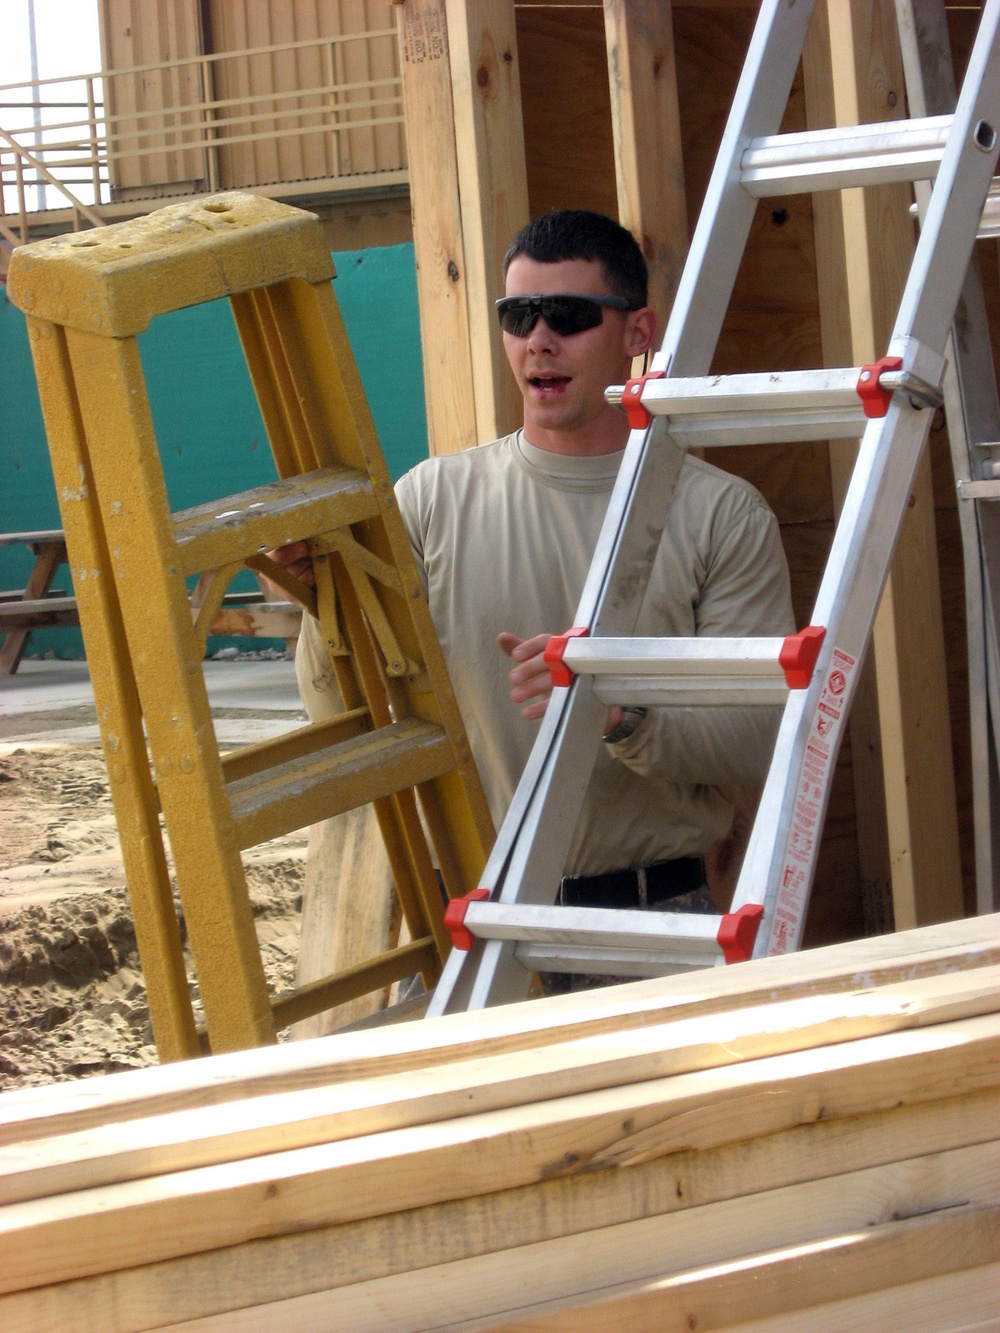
(399, 737)
(507, 928)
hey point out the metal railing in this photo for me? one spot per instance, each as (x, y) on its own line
(153, 130)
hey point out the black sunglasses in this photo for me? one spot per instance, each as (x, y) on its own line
(563, 313)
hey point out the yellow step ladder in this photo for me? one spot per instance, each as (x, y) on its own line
(87, 296)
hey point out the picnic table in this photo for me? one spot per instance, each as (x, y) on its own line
(38, 606)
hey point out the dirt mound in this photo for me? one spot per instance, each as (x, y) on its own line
(72, 997)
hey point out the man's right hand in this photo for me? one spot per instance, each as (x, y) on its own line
(531, 680)
(295, 558)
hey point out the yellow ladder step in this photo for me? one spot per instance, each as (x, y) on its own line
(342, 777)
(223, 532)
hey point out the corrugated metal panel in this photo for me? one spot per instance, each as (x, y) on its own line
(286, 95)
(152, 110)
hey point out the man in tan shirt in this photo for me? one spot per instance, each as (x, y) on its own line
(504, 534)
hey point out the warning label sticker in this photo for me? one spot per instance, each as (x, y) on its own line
(817, 766)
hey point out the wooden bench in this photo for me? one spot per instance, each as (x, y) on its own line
(36, 606)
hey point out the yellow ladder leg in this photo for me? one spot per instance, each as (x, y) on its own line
(166, 656)
(117, 704)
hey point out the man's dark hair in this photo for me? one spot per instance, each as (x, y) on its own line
(575, 233)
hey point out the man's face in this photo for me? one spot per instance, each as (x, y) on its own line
(562, 379)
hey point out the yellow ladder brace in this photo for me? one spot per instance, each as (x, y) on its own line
(87, 297)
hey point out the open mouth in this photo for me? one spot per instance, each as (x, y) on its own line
(548, 383)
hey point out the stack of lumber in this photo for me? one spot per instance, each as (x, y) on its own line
(801, 1142)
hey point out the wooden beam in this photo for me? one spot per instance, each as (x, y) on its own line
(144, 1221)
(793, 1279)
(442, 280)
(645, 118)
(753, 1134)
(493, 187)
(113, 1153)
(866, 84)
(746, 1234)
(959, 1302)
(860, 965)
(830, 234)
(286, 1268)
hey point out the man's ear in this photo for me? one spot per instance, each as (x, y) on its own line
(641, 330)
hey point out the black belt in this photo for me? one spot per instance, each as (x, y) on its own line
(643, 887)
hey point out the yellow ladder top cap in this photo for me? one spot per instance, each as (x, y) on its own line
(113, 280)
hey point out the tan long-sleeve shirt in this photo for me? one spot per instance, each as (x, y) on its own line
(505, 534)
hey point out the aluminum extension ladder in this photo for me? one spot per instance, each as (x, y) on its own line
(507, 930)
(87, 297)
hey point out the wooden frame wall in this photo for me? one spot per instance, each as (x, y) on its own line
(472, 185)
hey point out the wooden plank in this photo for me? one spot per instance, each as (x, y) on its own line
(875, 871)
(793, 1279)
(867, 85)
(960, 1302)
(862, 964)
(645, 118)
(116, 1152)
(284, 1267)
(482, 1289)
(137, 1222)
(442, 280)
(26, 614)
(493, 188)
(347, 912)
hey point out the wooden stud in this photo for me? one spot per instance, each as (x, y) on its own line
(838, 350)
(493, 187)
(645, 117)
(867, 85)
(442, 279)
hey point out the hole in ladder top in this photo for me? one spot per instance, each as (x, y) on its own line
(217, 206)
(985, 136)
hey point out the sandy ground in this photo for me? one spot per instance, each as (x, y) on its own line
(72, 997)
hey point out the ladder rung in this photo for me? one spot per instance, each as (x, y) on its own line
(719, 410)
(648, 962)
(990, 225)
(591, 938)
(681, 671)
(979, 490)
(773, 391)
(727, 430)
(342, 777)
(226, 531)
(835, 159)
